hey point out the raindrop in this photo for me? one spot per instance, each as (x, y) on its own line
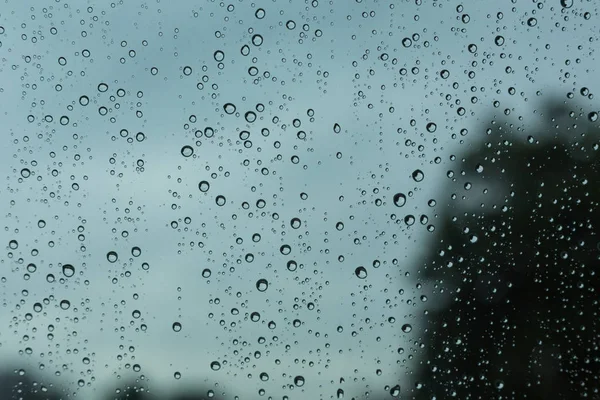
(65, 304)
(337, 128)
(431, 127)
(406, 42)
(262, 285)
(295, 223)
(285, 249)
(260, 13)
(215, 366)
(290, 24)
(292, 265)
(112, 256)
(176, 327)
(299, 381)
(360, 272)
(395, 391)
(593, 116)
(418, 175)
(204, 186)
(257, 40)
(206, 273)
(406, 328)
(219, 56)
(136, 251)
(187, 151)
(220, 200)
(103, 87)
(499, 40)
(229, 108)
(68, 270)
(399, 199)
(84, 100)
(566, 3)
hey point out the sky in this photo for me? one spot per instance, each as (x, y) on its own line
(383, 71)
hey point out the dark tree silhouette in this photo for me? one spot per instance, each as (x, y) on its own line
(20, 384)
(518, 255)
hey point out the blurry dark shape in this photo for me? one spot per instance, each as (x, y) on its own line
(131, 391)
(19, 384)
(517, 258)
(198, 393)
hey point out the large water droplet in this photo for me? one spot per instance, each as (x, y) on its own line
(68, 270)
(399, 199)
(262, 285)
(112, 256)
(418, 175)
(360, 272)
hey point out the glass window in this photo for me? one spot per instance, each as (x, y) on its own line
(294, 200)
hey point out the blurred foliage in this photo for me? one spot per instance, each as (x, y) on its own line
(517, 258)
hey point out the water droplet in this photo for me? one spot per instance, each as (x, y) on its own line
(406, 328)
(220, 200)
(260, 13)
(215, 366)
(68, 270)
(204, 186)
(395, 391)
(290, 24)
(431, 127)
(532, 22)
(299, 381)
(112, 256)
(292, 265)
(136, 251)
(65, 304)
(360, 272)
(418, 175)
(25, 173)
(262, 285)
(176, 327)
(295, 223)
(229, 108)
(566, 3)
(219, 56)
(285, 249)
(103, 87)
(187, 151)
(257, 40)
(84, 100)
(406, 42)
(593, 116)
(399, 199)
(499, 40)
(337, 128)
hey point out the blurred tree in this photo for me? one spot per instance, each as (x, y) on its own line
(19, 384)
(518, 257)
